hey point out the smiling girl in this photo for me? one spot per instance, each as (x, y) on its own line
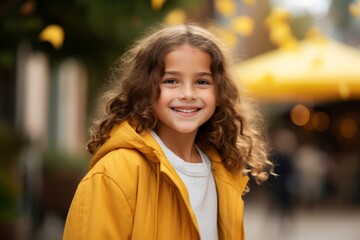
(173, 148)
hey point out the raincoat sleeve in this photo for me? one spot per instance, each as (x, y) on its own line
(99, 210)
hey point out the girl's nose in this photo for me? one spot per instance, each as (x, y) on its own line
(188, 92)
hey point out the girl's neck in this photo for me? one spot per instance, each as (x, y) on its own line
(182, 144)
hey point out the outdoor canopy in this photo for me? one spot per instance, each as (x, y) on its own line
(316, 69)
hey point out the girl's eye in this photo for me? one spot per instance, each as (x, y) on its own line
(170, 81)
(203, 82)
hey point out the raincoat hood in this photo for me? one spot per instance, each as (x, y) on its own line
(125, 136)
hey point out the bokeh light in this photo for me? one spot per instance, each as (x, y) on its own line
(300, 115)
(320, 121)
(348, 128)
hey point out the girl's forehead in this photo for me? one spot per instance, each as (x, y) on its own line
(189, 55)
(188, 47)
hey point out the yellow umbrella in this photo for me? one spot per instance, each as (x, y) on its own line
(317, 69)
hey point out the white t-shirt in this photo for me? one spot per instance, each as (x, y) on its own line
(200, 184)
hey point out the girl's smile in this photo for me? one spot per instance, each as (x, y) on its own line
(187, 92)
(186, 110)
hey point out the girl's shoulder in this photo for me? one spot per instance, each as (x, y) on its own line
(121, 166)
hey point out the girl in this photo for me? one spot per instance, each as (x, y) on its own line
(173, 148)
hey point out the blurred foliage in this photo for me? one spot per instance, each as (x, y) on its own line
(7, 203)
(10, 144)
(96, 31)
(56, 160)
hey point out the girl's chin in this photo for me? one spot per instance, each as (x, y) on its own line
(185, 130)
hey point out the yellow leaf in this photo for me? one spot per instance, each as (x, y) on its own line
(226, 8)
(354, 9)
(276, 16)
(243, 25)
(157, 4)
(228, 37)
(54, 34)
(175, 16)
(280, 32)
(282, 36)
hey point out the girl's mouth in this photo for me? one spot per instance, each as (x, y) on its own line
(186, 110)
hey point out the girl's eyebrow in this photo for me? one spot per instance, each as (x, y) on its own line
(204, 74)
(199, 74)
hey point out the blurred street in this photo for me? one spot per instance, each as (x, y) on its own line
(330, 221)
(298, 59)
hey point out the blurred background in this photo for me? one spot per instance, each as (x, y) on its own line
(300, 60)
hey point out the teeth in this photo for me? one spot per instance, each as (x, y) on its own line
(185, 110)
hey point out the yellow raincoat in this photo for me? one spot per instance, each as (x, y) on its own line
(133, 192)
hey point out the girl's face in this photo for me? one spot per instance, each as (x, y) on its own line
(187, 91)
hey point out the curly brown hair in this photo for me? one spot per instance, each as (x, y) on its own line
(235, 129)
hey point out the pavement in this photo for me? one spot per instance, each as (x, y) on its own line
(330, 222)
